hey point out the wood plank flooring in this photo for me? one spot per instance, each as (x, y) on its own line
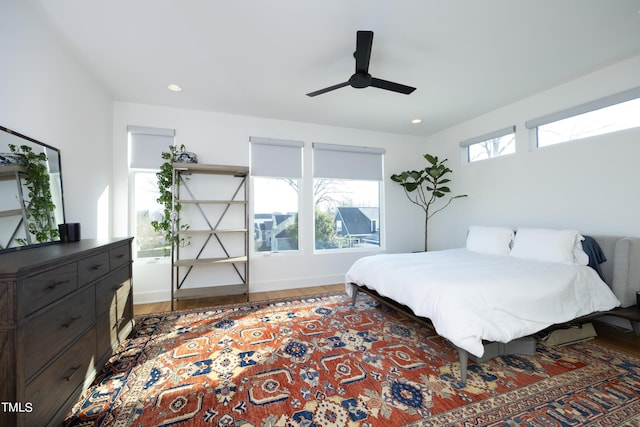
(139, 309)
(611, 336)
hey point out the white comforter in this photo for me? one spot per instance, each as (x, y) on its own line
(471, 297)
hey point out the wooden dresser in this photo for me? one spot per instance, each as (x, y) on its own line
(64, 308)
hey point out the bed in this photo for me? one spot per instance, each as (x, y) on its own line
(503, 286)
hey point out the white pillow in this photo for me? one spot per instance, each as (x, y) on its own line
(489, 240)
(579, 255)
(544, 244)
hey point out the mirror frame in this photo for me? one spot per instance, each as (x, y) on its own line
(20, 140)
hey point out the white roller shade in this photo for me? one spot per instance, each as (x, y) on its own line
(276, 157)
(488, 136)
(347, 162)
(608, 101)
(146, 146)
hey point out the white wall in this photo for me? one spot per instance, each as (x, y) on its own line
(47, 95)
(589, 185)
(224, 139)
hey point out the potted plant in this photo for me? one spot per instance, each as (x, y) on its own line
(426, 186)
(165, 188)
(39, 205)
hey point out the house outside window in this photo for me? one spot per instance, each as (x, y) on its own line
(275, 219)
(347, 193)
(276, 170)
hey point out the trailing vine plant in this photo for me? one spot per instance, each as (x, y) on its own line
(39, 206)
(171, 208)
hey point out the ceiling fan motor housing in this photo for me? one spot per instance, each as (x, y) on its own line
(360, 80)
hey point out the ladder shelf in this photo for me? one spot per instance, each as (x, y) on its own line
(211, 257)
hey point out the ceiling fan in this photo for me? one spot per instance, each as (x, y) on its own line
(361, 78)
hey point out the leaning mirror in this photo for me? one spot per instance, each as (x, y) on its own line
(31, 203)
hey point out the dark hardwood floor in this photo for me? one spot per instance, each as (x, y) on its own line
(611, 336)
(616, 337)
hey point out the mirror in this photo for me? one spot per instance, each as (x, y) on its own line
(20, 226)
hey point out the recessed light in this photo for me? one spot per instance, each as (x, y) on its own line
(174, 87)
(416, 121)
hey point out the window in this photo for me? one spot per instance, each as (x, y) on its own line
(491, 145)
(276, 169)
(275, 219)
(145, 157)
(149, 243)
(617, 112)
(346, 189)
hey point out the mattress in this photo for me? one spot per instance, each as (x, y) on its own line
(470, 297)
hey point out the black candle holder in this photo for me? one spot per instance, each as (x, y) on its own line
(69, 232)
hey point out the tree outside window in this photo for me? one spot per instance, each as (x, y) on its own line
(492, 148)
(148, 242)
(346, 214)
(275, 219)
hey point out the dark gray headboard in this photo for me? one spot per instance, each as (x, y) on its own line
(621, 271)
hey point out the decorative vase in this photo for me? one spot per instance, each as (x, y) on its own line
(10, 159)
(186, 157)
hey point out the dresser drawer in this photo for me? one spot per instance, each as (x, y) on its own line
(108, 289)
(105, 338)
(120, 256)
(39, 291)
(54, 386)
(112, 332)
(93, 267)
(51, 331)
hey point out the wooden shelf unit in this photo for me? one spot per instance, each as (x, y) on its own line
(213, 234)
(15, 172)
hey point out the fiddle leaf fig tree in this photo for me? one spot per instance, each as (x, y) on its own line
(426, 186)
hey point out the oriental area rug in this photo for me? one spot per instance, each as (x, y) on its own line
(321, 362)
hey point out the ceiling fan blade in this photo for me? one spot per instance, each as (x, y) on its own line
(364, 41)
(328, 89)
(395, 87)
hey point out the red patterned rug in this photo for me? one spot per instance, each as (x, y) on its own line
(320, 362)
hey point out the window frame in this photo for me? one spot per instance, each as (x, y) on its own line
(253, 215)
(580, 110)
(332, 161)
(145, 146)
(488, 137)
(133, 221)
(379, 227)
(278, 159)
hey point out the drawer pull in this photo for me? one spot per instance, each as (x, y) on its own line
(73, 319)
(72, 373)
(56, 284)
(120, 256)
(119, 286)
(97, 267)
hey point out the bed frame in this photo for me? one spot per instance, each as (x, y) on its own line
(621, 272)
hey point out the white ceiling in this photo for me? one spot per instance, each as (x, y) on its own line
(260, 58)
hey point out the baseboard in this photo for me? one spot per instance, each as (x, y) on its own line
(307, 282)
(150, 297)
